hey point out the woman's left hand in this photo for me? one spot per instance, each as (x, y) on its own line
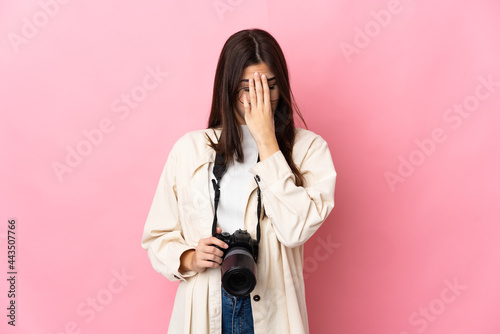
(259, 116)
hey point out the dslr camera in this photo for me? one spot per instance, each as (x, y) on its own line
(238, 262)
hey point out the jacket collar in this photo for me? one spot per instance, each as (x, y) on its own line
(208, 154)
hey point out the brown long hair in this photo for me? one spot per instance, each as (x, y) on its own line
(243, 49)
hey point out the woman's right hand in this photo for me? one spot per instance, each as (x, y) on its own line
(204, 256)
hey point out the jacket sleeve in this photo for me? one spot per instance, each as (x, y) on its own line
(162, 236)
(297, 212)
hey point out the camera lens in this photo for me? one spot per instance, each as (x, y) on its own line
(238, 272)
(239, 281)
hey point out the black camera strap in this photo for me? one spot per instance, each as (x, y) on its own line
(220, 168)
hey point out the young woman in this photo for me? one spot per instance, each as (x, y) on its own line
(287, 170)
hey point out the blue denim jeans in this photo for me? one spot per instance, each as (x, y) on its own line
(236, 314)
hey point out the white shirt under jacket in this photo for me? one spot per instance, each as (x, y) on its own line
(182, 213)
(233, 186)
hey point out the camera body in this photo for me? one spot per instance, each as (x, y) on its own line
(239, 262)
(240, 238)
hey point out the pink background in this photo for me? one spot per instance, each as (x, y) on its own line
(413, 243)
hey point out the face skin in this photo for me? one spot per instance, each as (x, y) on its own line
(248, 73)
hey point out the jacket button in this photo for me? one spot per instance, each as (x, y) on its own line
(256, 298)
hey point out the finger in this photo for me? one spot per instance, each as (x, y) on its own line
(203, 264)
(265, 88)
(218, 230)
(211, 264)
(207, 247)
(218, 253)
(258, 90)
(217, 242)
(212, 258)
(204, 259)
(251, 88)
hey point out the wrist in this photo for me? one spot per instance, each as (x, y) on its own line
(267, 149)
(186, 261)
(264, 137)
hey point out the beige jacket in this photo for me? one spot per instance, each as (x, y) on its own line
(182, 214)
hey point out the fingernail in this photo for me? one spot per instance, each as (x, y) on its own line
(250, 80)
(257, 74)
